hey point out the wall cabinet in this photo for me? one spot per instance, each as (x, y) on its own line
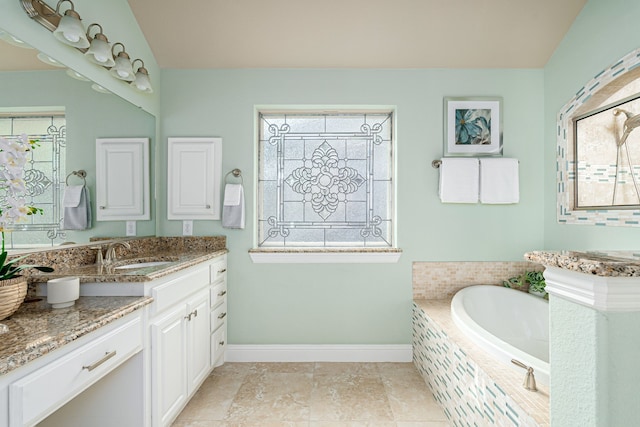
(122, 179)
(193, 179)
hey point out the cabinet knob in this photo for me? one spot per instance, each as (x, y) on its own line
(208, 207)
(103, 207)
(222, 271)
(222, 315)
(221, 343)
(221, 294)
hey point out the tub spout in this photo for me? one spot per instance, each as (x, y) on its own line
(529, 379)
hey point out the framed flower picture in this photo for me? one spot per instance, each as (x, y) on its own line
(473, 126)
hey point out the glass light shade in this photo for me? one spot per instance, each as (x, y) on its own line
(100, 52)
(70, 30)
(122, 69)
(142, 82)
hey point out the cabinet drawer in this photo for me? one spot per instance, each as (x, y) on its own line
(219, 269)
(170, 293)
(218, 293)
(218, 316)
(31, 398)
(218, 346)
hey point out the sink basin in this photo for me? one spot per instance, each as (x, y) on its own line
(142, 265)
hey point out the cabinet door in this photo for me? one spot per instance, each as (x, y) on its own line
(194, 178)
(169, 366)
(122, 179)
(198, 340)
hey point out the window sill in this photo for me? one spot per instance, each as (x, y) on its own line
(325, 256)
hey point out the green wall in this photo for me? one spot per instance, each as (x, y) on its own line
(603, 32)
(358, 303)
(89, 115)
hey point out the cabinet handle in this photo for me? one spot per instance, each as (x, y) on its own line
(194, 313)
(94, 365)
(221, 294)
(103, 207)
(222, 271)
(222, 315)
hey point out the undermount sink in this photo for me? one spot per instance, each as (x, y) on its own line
(142, 265)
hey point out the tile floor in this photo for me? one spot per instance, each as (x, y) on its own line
(314, 395)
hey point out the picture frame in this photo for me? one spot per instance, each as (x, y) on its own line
(472, 126)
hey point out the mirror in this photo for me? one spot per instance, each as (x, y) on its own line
(598, 149)
(26, 82)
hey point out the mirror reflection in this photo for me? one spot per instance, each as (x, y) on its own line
(66, 115)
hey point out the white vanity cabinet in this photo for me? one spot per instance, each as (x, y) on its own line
(180, 332)
(122, 179)
(194, 174)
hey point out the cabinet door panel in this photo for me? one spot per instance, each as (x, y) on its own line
(194, 178)
(168, 370)
(122, 181)
(198, 340)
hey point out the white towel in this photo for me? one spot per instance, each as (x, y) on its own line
(77, 208)
(499, 181)
(459, 180)
(233, 206)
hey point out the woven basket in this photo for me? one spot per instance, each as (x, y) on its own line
(12, 293)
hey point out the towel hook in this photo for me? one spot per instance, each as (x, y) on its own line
(236, 173)
(436, 163)
(80, 174)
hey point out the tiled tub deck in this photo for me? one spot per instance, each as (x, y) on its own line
(473, 388)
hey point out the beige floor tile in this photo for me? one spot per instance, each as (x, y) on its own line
(313, 395)
(349, 396)
(409, 396)
(276, 397)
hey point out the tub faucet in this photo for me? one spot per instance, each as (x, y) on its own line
(529, 379)
(110, 256)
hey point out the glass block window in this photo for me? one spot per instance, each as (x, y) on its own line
(43, 176)
(325, 180)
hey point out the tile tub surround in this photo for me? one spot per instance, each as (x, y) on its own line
(313, 394)
(605, 263)
(36, 329)
(467, 381)
(438, 280)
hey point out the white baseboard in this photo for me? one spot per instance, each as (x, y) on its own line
(319, 353)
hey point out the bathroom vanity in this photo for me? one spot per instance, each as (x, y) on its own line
(146, 332)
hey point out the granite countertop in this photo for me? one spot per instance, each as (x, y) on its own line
(37, 329)
(93, 273)
(610, 263)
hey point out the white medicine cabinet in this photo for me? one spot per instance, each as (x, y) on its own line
(194, 174)
(122, 179)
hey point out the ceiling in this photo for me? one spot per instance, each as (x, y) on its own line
(354, 33)
(344, 33)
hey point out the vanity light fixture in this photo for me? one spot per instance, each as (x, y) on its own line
(122, 69)
(70, 30)
(99, 51)
(141, 81)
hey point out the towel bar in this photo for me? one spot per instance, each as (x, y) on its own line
(80, 174)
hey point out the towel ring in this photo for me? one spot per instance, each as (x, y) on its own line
(237, 173)
(80, 174)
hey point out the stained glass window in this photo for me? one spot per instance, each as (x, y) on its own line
(325, 180)
(43, 176)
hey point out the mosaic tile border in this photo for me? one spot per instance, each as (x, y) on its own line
(565, 175)
(467, 394)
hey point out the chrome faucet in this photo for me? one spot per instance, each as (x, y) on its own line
(110, 255)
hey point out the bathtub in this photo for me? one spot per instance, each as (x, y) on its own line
(507, 323)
